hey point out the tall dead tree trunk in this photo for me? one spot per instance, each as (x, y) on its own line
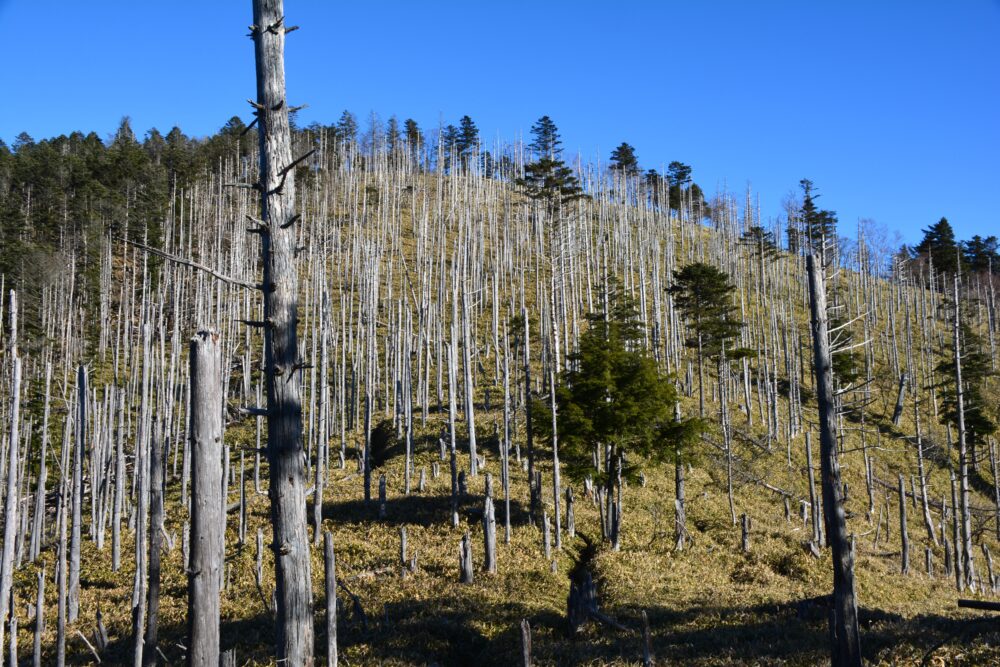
(963, 454)
(282, 365)
(12, 501)
(207, 504)
(846, 649)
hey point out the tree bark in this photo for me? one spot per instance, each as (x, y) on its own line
(207, 504)
(282, 366)
(963, 454)
(846, 649)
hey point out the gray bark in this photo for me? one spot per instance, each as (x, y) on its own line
(331, 599)
(76, 495)
(903, 533)
(293, 582)
(207, 508)
(490, 535)
(12, 501)
(963, 454)
(846, 649)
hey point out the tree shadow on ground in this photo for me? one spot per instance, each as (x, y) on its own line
(421, 509)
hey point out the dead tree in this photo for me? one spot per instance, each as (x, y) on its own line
(282, 365)
(846, 649)
(963, 454)
(207, 504)
(12, 500)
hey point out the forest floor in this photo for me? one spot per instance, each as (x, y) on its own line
(708, 604)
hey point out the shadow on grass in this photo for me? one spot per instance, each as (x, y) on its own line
(421, 509)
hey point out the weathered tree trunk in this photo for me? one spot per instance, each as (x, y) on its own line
(465, 560)
(330, 565)
(12, 501)
(156, 482)
(39, 619)
(904, 535)
(490, 535)
(897, 413)
(282, 365)
(846, 649)
(963, 454)
(207, 505)
(76, 495)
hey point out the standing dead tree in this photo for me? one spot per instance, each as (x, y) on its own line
(846, 639)
(207, 504)
(282, 365)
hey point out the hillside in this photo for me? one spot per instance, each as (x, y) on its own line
(399, 263)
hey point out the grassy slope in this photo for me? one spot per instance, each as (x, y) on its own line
(710, 604)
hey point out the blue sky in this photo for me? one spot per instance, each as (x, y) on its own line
(891, 108)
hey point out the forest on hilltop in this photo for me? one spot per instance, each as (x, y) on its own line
(291, 394)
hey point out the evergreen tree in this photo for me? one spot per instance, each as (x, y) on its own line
(977, 370)
(761, 242)
(347, 127)
(704, 294)
(414, 137)
(613, 402)
(549, 180)
(546, 141)
(467, 139)
(654, 181)
(624, 160)
(679, 176)
(393, 136)
(819, 226)
(940, 247)
(981, 254)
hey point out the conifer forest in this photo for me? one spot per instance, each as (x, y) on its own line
(373, 393)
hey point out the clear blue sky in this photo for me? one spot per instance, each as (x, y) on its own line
(891, 108)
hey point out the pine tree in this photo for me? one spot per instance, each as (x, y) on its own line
(981, 254)
(548, 180)
(977, 369)
(761, 242)
(393, 136)
(679, 176)
(467, 139)
(613, 401)
(819, 226)
(414, 137)
(546, 141)
(939, 246)
(624, 160)
(703, 294)
(347, 127)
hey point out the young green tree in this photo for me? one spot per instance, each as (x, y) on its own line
(613, 405)
(624, 160)
(977, 371)
(703, 294)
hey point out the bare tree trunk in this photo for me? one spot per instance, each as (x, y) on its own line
(846, 649)
(207, 508)
(963, 454)
(331, 599)
(282, 366)
(12, 501)
(76, 496)
(155, 541)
